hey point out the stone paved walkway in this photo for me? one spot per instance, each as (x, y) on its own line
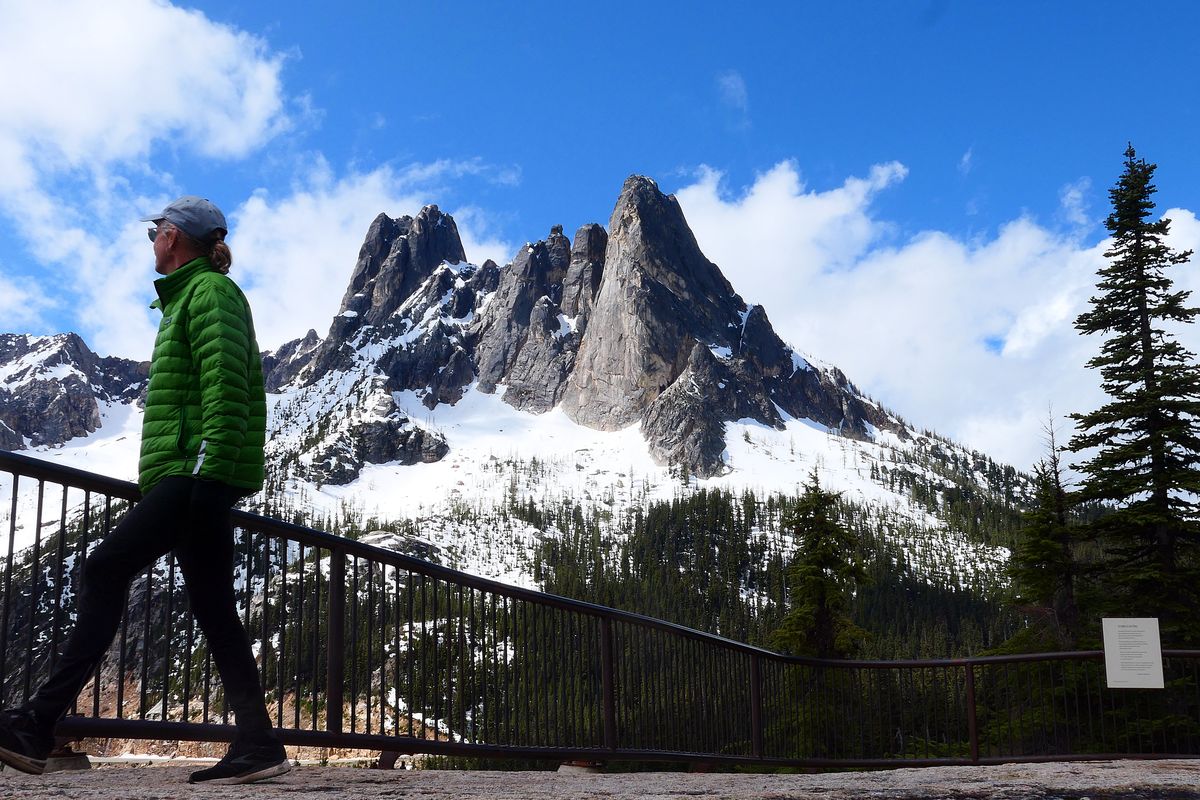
(1104, 780)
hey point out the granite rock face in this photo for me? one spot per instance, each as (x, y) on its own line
(523, 338)
(397, 257)
(51, 388)
(658, 296)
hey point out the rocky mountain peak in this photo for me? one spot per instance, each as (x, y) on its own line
(396, 257)
(633, 325)
(52, 388)
(658, 296)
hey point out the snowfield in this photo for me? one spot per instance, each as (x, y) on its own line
(499, 455)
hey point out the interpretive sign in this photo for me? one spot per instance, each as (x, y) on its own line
(1133, 653)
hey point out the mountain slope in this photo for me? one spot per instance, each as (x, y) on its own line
(605, 371)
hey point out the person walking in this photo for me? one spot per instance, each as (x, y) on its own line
(202, 449)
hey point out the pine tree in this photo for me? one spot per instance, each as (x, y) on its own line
(1142, 447)
(1044, 566)
(822, 578)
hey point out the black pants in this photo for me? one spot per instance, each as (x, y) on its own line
(190, 518)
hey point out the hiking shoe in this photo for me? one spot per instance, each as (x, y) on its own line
(23, 745)
(245, 764)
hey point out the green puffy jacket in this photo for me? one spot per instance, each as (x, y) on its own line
(206, 412)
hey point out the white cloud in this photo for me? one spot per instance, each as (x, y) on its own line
(480, 241)
(731, 87)
(789, 233)
(21, 304)
(78, 133)
(1073, 203)
(103, 82)
(96, 97)
(974, 338)
(446, 168)
(966, 162)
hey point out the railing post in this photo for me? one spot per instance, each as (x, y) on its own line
(972, 722)
(335, 654)
(607, 691)
(756, 707)
(8, 568)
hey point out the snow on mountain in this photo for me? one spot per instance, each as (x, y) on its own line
(610, 372)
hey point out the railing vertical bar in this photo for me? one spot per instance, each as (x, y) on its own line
(389, 689)
(35, 584)
(470, 733)
(546, 723)
(1046, 687)
(489, 685)
(144, 685)
(561, 636)
(569, 680)
(972, 718)
(189, 651)
(336, 652)
(437, 700)
(1091, 705)
(608, 684)
(574, 696)
(382, 667)
(247, 588)
(207, 706)
(120, 669)
(265, 647)
(545, 675)
(856, 703)
(168, 629)
(459, 676)
(883, 708)
(315, 650)
(297, 688)
(8, 598)
(1009, 692)
(429, 653)
(451, 639)
(510, 672)
(1060, 682)
(98, 672)
(59, 590)
(401, 687)
(409, 655)
(281, 659)
(492, 673)
(353, 666)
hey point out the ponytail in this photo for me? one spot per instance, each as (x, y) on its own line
(215, 249)
(221, 257)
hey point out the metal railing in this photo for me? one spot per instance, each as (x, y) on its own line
(362, 647)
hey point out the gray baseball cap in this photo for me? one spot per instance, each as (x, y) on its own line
(195, 216)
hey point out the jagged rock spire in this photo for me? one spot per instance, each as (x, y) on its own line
(658, 296)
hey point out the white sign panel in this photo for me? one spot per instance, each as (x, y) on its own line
(1133, 653)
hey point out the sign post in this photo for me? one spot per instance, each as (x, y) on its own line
(1133, 653)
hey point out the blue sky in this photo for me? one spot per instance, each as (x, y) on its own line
(914, 190)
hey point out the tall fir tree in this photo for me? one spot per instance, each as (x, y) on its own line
(822, 578)
(1141, 448)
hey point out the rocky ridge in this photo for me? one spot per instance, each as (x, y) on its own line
(629, 326)
(632, 325)
(51, 388)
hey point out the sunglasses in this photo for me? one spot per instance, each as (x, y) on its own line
(154, 232)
